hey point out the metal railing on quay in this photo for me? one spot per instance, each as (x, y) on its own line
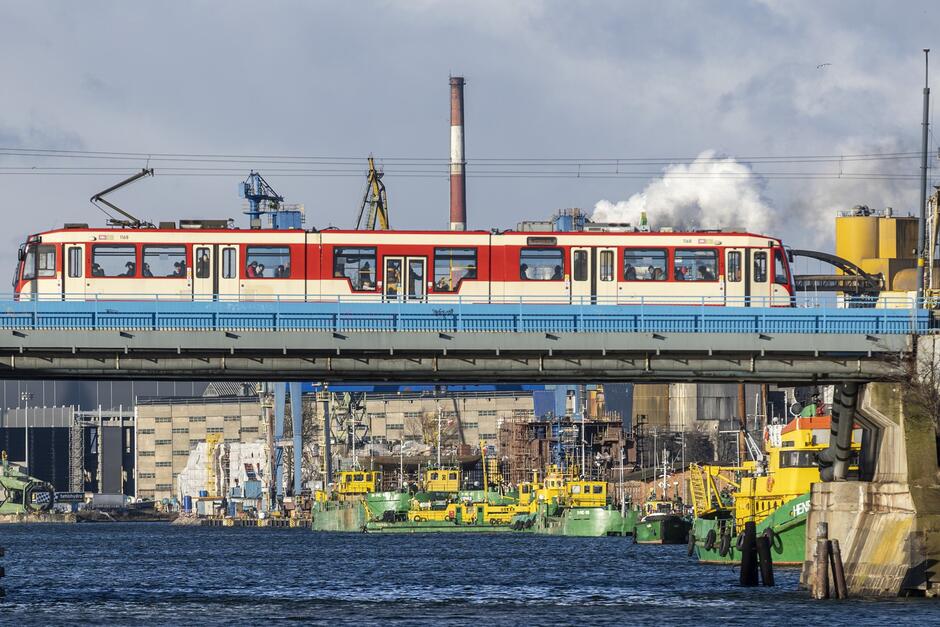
(455, 313)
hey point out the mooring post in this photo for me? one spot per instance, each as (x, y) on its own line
(749, 555)
(838, 570)
(766, 560)
(821, 562)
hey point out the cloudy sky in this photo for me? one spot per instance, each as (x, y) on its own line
(659, 83)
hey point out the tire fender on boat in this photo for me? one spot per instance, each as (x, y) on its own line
(776, 542)
(725, 545)
(740, 541)
(710, 538)
(691, 548)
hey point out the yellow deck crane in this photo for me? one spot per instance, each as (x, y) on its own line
(373, 213)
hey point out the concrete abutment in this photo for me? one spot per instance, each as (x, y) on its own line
(889, 526)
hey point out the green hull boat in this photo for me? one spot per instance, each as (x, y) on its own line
(669, 529)
(589, 522)
(714, 541)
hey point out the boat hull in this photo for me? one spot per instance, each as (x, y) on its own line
(666, 530)
(788, 541)
(588, 522)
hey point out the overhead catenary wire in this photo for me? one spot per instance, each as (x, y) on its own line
(198, 165)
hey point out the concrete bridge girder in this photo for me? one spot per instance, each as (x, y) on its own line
(261, 355)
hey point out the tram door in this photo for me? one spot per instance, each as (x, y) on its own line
(737, 283)
(416, 288)
(759, 283)
(594, 276)
(405, 278)
(392, 287)
(73, 273)
(228, 272)
(204, 272)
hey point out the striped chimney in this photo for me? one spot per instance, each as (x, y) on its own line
(458, 185)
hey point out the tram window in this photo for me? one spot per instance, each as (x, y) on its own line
(267, 262)
(695, 264)
(579, 269)
(75, 262)
(734, 266)
(606, 265)
(453, 265)
(113, 261)
(45, 261)
(357, 265)
(29, 264)
(228, 263)
(780, 270)
(541, 264)
(644, 264)
(760, 266)
(164, 261)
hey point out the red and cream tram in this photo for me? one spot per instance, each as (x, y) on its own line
(478, 266)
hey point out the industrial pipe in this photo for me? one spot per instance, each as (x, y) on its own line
(834, 461)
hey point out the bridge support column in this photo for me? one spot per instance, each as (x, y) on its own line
(280, 398)
(889, 527)
(297, 421)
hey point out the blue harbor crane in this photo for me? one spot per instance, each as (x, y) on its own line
(262, 199)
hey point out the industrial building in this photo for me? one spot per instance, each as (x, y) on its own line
(170, 428)
(73, 450)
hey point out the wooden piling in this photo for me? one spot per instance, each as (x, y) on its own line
(838, 570)
(821, 562)
(766, 560)
(748, 575)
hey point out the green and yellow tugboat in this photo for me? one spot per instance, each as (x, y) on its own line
(357, 504)
(568, 506)
(772, 491)
(662, 521)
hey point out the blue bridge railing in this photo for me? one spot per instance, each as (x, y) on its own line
(454, 315)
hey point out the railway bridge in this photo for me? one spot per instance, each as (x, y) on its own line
(341, 340)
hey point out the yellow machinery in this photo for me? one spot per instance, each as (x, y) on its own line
(212, 483)
(373, 213)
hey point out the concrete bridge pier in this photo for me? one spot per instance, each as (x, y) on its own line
(888, 522)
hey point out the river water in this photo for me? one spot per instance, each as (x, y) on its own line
(159, 574)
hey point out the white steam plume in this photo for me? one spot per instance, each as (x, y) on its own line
(710, 192)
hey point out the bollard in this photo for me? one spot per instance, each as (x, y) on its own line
(821, 562)
(838, 570)
(766, 560)
(748, 550)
